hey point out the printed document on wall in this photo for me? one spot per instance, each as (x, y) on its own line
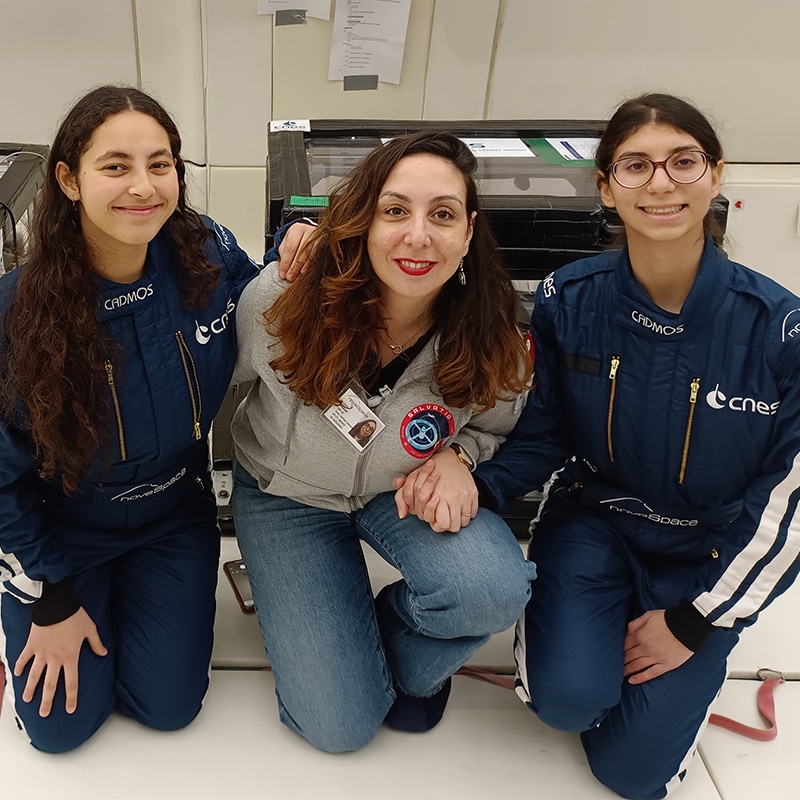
(321, 9)
(368, 39)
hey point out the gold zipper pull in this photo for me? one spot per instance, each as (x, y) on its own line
(123, 451)
(687, 438)
(694, 390)
(197, 432)
(612, 395)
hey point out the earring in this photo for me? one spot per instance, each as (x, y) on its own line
(462, 277)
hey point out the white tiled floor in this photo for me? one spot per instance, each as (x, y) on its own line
(487, 746)
(746, 770)
(774, 641)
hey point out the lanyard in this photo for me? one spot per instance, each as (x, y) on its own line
(766, 705)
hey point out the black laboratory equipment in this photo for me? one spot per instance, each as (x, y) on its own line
(22, 174)
(536, 180)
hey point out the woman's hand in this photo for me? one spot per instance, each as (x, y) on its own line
(294, 251)
(53, 649)
(415, 490)
(441, 493)
(651, 649)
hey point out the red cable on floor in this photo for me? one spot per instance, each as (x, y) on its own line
(766, 702)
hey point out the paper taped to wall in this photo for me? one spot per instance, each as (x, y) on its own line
(369, 38)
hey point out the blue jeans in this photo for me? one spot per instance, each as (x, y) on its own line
(336, 654)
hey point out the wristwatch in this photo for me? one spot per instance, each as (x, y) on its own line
(463, 456)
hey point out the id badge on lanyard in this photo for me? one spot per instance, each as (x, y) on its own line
(353, 418)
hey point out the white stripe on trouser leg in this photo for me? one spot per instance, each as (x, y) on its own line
(10, 700)
(521, 684)
(674, 782)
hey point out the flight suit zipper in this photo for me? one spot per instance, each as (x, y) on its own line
(687, 437)
(612, 396)
(192, 383)
(123, 449)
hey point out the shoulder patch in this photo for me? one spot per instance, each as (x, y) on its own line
(425, 428)
(223, 236)
(790, 327)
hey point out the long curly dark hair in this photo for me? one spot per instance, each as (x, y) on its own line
(53, 351)
(329, 321)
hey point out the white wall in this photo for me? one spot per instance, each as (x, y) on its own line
(737, 59)
(764, 219)
(224, 71)
(51, 52)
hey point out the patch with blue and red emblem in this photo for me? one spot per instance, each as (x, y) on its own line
(425, 428)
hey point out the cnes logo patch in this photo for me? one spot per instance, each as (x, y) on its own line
(203, 333)
(718, 399)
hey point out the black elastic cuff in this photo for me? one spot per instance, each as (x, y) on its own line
(58, 602)
(485, 497)
(688, 625)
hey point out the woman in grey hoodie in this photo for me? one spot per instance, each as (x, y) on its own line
(405, 319)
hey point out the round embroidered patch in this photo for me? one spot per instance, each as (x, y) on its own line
(425, 428)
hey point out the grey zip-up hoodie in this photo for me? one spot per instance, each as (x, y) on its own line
(295, 452)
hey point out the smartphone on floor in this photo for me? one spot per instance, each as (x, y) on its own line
(237, 575)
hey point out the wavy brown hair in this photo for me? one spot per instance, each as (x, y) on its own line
(53, 380)
(329, 321)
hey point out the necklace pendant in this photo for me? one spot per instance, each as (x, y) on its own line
(395, 348)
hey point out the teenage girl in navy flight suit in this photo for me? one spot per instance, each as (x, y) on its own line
(664, 425)
(118, 344)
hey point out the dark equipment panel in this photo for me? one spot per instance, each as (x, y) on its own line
(22, 174)
(545, 211)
